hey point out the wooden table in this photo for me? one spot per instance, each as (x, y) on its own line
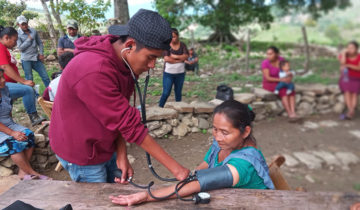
(56, 194)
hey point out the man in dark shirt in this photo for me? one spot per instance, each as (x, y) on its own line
(66, 43)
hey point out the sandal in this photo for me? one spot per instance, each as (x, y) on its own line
(43, 177)
(30, 177)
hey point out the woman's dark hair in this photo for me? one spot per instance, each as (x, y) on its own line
(238, 114)
(10, 31)
(175, 31)
(1, 70)
(275, 49)
(355, 43)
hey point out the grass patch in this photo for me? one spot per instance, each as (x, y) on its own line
(357, 186)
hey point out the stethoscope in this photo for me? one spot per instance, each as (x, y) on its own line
(201, 197)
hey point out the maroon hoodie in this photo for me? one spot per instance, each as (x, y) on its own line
(91, 107)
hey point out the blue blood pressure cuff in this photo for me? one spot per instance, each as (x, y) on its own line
(214, 178)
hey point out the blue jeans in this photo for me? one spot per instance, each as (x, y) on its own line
(194, 67)
(27, 93)
(288, 86)
(168, 81)
(37, 66)
(102, 172)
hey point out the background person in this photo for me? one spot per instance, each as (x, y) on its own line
(50, 92)
(350, 77)
(192, 63)
(18, 86)
(32, 51)
(16, 141)
(66, 43)
(285, 71)
(174, 68)
(233, 139)
(271, 69)
(91, 117)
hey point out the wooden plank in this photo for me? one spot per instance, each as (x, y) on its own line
(56, 194)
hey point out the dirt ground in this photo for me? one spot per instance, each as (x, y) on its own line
(274, 136)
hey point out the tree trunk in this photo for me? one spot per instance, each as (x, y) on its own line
(222, 36)
(247, 50)
(307, 51)
(55, 13)
(121, 11)
(50, 25)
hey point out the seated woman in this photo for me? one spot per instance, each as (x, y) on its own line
(350, 78)
(16, 141)
(233, 151)
(271, 69)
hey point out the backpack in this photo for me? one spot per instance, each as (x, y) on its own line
(224, 92)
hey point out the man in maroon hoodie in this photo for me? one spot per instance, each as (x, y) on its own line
(91, 117)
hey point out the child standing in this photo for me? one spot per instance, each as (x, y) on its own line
(285, 72)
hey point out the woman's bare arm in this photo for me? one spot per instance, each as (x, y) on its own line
(202, 165)
(188, 189)
(170, 59)
(269, 78)
(353, 67)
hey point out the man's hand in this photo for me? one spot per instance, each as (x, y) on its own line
(29, 36)
(20, 136)
(41, 58)
(123, 164)
(29, 83)
(182, 174)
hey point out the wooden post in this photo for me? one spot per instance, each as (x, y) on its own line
(307, 51)
(247, 50)
(192, 38)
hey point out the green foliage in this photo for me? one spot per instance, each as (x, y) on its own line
(85, 14)
(30, 14)
(310, 22)
(357, 186)
(9, 12)
(226, 16)
(173, 12)
(333, 33)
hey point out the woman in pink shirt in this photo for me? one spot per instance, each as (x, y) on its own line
(271, 68)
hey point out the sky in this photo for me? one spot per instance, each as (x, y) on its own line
(134, 6)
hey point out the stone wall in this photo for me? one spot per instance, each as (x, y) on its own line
(310, 99)
(180, 118)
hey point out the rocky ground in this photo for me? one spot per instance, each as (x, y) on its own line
(322, 153)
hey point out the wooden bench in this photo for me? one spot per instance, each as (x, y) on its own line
(56, 194)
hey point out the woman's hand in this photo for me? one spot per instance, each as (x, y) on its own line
(29, 83)
(286, 79)
(128, 200)
(20, 136)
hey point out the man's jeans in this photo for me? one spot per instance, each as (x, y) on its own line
(103, 172)
(27, 93)
(37, 66)
(168, 81)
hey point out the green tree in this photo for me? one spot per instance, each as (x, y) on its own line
(225, 16)
(10, 11)
(87, 15)
(30, 14)
(333, 33)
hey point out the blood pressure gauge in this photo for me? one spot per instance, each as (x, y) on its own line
(202, 197)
